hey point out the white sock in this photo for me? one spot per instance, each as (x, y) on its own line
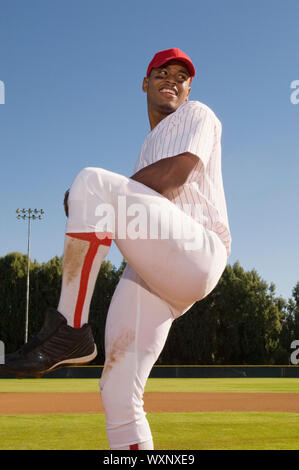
(82, 259)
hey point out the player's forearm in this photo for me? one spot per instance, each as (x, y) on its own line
(167, 174)
(157, 176)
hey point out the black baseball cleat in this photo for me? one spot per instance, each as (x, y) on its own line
(56, 345)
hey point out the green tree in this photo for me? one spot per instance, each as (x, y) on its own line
(248, 318)
(13, 275)
(45, 286)
(238, 323)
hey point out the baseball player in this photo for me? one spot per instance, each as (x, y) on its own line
(169, 220)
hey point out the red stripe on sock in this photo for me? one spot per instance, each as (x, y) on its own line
(134, 447)
(104, 238)
(94, 242)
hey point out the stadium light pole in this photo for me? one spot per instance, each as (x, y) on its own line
(29, 214)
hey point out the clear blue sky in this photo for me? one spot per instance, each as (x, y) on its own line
(73, 70)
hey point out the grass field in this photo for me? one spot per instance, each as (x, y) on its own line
(208, 431)
(268, 385)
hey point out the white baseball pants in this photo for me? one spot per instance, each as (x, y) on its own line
(173, 261)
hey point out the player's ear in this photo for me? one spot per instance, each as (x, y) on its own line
(145, 84)
(187, 97)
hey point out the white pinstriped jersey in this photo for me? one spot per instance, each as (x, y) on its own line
(193, 128)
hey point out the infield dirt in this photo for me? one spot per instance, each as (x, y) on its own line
(47, 403)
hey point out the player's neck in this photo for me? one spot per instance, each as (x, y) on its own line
(156, 116)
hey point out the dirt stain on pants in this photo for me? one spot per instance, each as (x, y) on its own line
(119, 347)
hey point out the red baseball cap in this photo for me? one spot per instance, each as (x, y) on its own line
(169, 54)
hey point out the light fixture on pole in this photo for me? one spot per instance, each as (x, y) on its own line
(28, 214)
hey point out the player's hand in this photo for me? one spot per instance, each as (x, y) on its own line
(65, 203)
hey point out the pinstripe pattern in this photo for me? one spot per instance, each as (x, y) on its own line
(193, 128)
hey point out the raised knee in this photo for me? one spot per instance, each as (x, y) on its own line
(81, 182)
(86, 172)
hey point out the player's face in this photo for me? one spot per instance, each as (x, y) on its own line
(167, 87)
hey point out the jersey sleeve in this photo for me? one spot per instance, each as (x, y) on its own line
(195, 131)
